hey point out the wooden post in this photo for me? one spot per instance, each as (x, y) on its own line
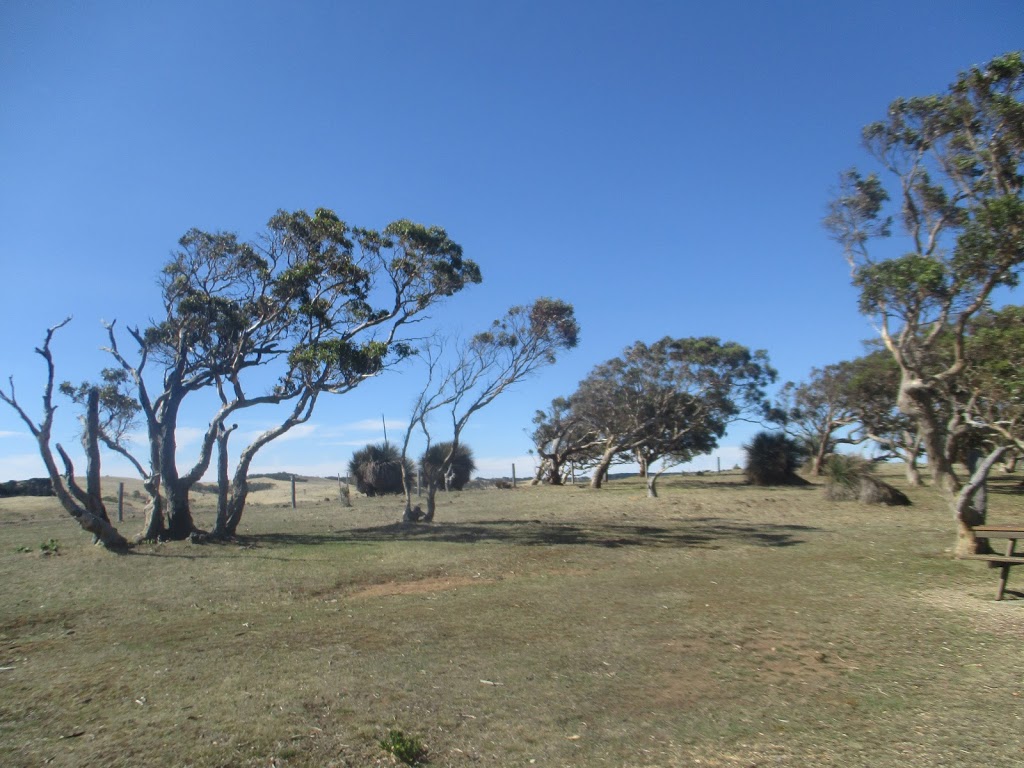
(293, 491)
(719, 459)
(513, 475)
(120, 502)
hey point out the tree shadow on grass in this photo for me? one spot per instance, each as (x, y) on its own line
(1009, 485)
(704, 533)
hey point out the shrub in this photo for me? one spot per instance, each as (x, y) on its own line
(772, 459)
(377, 469)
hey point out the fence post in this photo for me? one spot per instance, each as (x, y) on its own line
(120, 502)
(513, 475)
(293, 491)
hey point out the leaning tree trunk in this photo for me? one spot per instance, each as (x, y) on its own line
(970, 507)
(101, 528)
(818, 460)
(601, 470)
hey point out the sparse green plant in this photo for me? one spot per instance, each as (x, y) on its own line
(50, 547)
(408, 749)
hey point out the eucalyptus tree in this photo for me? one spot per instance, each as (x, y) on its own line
(517, 345)
(560, 437)
(872, 390)
(85, 506)
(819, 412)
(672, 400)
(954, 160)
(312, 306)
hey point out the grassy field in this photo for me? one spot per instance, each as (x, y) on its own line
(719, 625)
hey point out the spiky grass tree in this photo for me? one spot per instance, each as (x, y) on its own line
(772, 459)
(444, 467)
(377, 469)
(852, 478)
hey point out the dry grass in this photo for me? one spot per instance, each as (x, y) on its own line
(719, 625)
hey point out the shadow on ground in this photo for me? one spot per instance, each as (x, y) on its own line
(707, 533)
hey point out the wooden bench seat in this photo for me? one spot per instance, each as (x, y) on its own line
(1004, 562)
(1004, 559)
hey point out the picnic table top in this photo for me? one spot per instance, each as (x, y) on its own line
(1001, 531)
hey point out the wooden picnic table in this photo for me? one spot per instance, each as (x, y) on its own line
(1005, 561)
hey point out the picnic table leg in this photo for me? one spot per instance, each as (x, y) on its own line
(1004, 572)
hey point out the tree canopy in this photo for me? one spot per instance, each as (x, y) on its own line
(670, 401)
(953, 163)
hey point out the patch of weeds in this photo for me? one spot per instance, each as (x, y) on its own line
(408, 749)
(51, 547)
(23, 549)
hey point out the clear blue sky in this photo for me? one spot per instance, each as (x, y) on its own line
(664, 166)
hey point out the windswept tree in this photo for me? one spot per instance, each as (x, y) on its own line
(955, 163)
(517, 345)
(312, 306)
(559, 437)
(819, 413)
(670, 401)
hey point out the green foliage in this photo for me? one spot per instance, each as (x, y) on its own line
(377, 469)
(50, 547)
(673, 398)
(408, 749)
(436, 463)
(772, 459)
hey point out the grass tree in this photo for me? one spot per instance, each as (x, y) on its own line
(773, 459)
(378, 470)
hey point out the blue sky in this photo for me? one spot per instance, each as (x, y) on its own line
(664, 166)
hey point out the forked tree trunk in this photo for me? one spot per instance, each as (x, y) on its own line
(917, 401)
